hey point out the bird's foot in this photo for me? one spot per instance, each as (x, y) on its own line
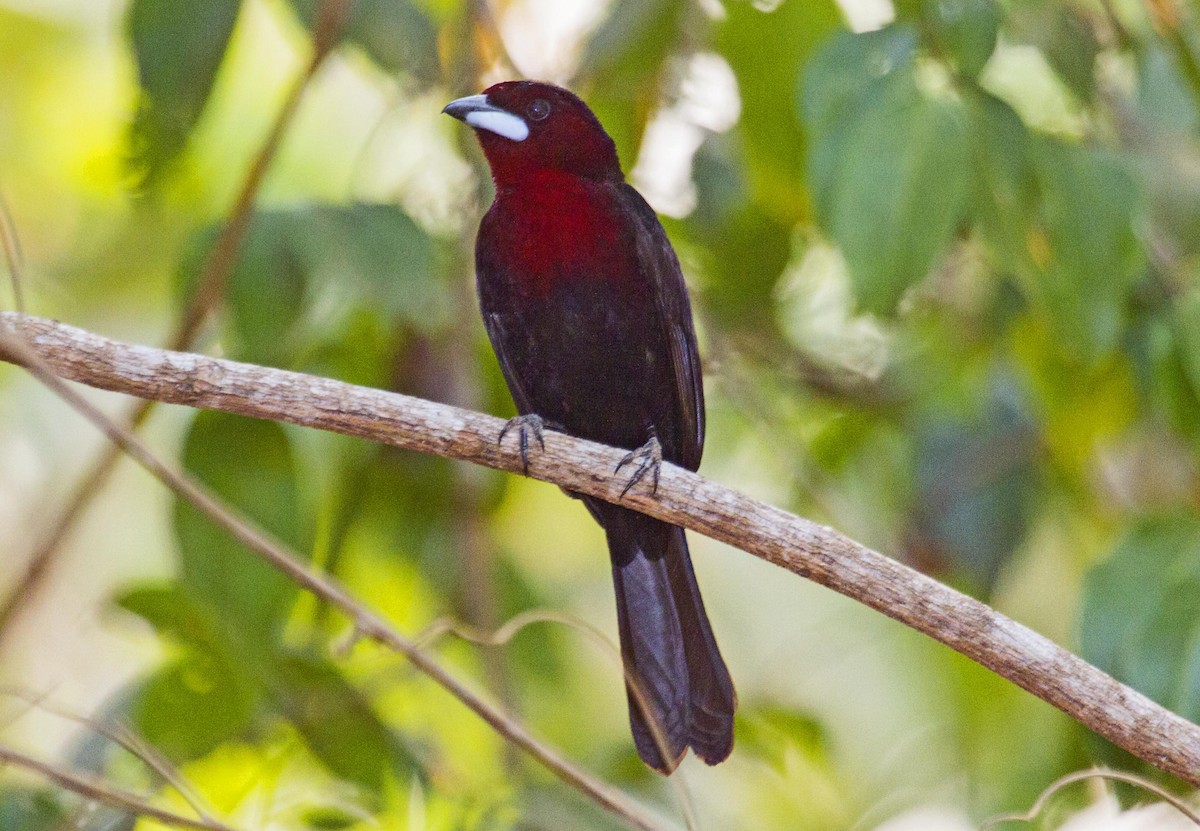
(649, 459)
(527, 425)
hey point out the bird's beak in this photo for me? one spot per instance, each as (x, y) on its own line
(476, 111)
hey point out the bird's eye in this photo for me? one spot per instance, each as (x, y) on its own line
(539, 109)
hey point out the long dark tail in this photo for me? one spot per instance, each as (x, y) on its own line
(667, 644)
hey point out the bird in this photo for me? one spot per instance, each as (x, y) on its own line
(588, 314)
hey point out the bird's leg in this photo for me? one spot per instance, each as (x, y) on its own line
(525, 425)
(649, 459)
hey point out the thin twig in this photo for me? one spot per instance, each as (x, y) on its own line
(1117, 712)
(98, 791)
(14, 348)
(208, 296)
(123, 736)
(1082, 775)
(12, 255)
(503, 635)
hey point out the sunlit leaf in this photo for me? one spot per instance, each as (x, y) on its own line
(178, 47)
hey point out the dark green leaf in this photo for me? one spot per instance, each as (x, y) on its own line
(339, 725)
(191, 706)
(249, 463)
(889, 162)
(23, 809)
(965, 30)
(173, 614)
(330, 819)
(396, 34)
(1187, 331)
(974, 480)
(747, 255)
(1139, 618)
(178, 47)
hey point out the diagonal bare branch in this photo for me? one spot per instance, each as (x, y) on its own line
(1117, 712)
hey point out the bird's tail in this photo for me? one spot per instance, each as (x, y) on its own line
(680, 684)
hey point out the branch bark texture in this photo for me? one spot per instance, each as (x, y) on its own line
(1117, 712)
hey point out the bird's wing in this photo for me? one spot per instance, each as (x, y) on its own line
(512, 375)
(659, 265)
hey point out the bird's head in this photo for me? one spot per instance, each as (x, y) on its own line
(527, 126)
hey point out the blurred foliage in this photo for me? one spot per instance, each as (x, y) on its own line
(947, 268)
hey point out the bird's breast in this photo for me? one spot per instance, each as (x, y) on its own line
(558, 229)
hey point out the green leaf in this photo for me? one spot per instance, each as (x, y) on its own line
(25, 809)
(1088, 259)
(975, 482)
(193, 705)
(248, 463)
(889, 162)
(761, 48)
(1139, 620)
(770, 731)
(339, 725)
(344, 259)
(330, 819)
(1004, 196)
(396, 34)
(745, 257)
(1066, 39)
(966, 31)
(178, 47)
(1164, 97)
(173, 614)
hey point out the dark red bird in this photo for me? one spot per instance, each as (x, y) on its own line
(587, 311)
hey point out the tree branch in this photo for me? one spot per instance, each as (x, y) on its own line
(99, 791)
(1120, 714)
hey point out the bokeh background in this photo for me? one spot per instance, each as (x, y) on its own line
(944, 260)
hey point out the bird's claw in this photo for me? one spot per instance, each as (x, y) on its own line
(649, 459)
(531, 423)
